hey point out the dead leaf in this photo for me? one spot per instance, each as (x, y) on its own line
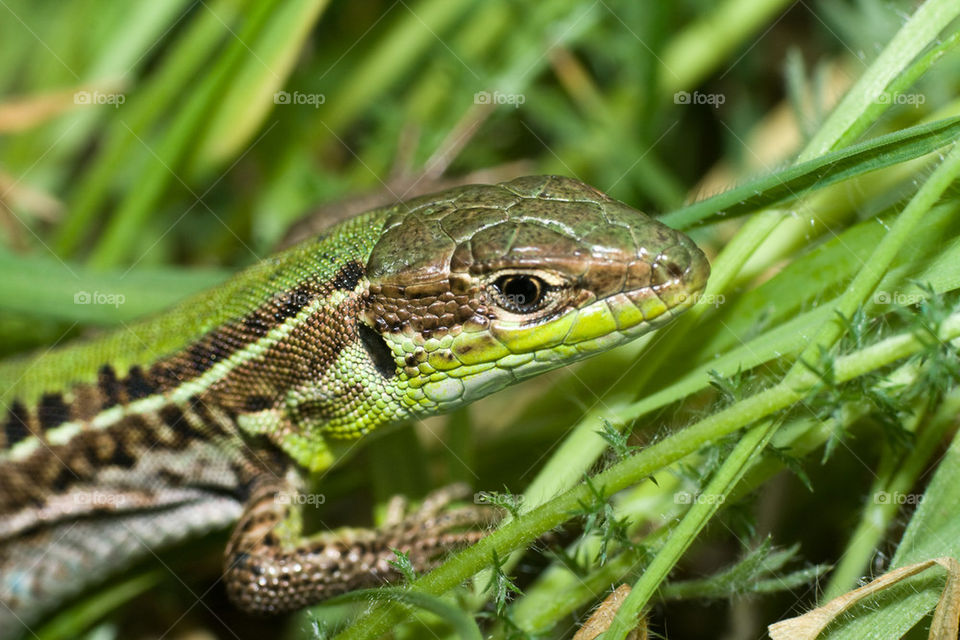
(601, 618)
(945, 616)
(34, 202)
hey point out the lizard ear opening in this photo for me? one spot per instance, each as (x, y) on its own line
(379, 352)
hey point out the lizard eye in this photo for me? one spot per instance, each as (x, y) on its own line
(520, 293)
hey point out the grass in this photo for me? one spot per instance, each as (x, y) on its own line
(786, 438)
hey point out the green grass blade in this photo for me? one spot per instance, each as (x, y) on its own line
(45, 288)
(800, 179)
(157, 94)
(250, 95)
(857, 108)
(166, 155)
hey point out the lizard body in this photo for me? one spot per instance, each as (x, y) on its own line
(205, 416)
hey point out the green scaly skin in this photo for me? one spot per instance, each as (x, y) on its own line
(210, 414)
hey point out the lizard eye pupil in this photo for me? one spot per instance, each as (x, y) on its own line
(520, 293)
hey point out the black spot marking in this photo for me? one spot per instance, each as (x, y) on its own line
(137, 385)
(167, 374)
(88, 451)
(15, 429)
(255, 325)
(379, 352)
(242, 559)
(222, 343)
(133, 430)
(201, 357)
(62, 481)
(52, 411)
(214, 347)
(172, 478)
(243, 490)
(348, 277)
(173, 417)
(290, 303)
(257, 403)
(109, 386)
(121, 457)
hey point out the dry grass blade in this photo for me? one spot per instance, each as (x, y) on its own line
(27, 112)
(945, 617)
(600, 621)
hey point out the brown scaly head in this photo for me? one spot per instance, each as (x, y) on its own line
(473, 289)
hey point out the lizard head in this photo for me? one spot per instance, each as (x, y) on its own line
(474, 289)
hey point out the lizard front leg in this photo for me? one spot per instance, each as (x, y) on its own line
(271, 568)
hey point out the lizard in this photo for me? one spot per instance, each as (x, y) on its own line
(211, 415)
